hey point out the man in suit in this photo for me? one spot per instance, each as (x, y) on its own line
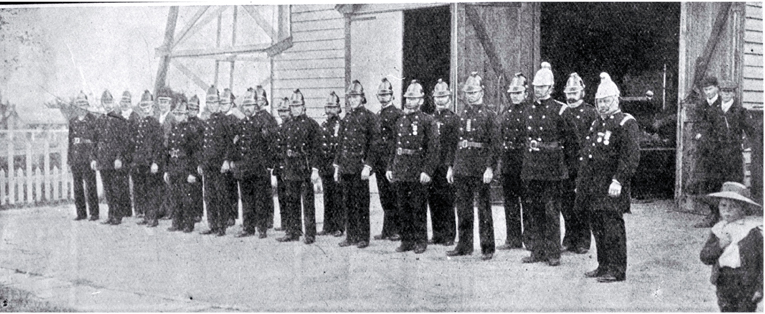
(148, 158)
(82, 141)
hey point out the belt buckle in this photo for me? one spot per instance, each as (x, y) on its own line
(464, 144)
(399, 151)
(290, 153)
(534, 146)
(77, 140)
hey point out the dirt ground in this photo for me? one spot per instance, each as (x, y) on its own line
(92, 267)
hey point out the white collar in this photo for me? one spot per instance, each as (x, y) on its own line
(163, 116)
(126, 113)
(712, 100)
(576, 104)
(726, 106)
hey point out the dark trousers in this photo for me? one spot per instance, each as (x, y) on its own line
(197, 199)
(256, 193)
(543, 203)
(610, 239)
(575, 219)
(334, 215)
(146, 189)
(117, 190)
(732, 294)
(232, 195)
(85, 175)
(387, 193)
(466, 187)
(295, 191)
(281, 193)
(186, 208)
(443, 217)
(411, 198)
(216, 194)
(356, 200)
(512, 189)
(167, 204)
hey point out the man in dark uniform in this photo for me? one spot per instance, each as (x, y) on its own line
(300, 145)
(720, 138)
(443, 217)
(264, 115)
(580, 114)
(232, 200)
(472, 171)
(359, 136)
(511, 130)
(334, 215)
(148, 157)
(126, 110)
(165, 103)
(609, 157)
(550, 146)
(114, 149)
(198, 125)
(283, 110)
(184, 146)
(214, 163)
(411, 167)
(253, 156)
(82, 135)
(388, 115)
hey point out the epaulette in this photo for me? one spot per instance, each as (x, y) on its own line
(626, 118)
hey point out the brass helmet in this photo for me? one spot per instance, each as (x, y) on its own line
(574, 84)
(260, 93)
(146, 99)
(385, 88)
(518, 83)
(227, 97)
(166, 92)
(473, 83)
(249, 97)
(414, 90)
(284, 105)
(107, 97)
(194, 103)
(82, 100)
(297, 98)
(544, 76)
(181, 102)
(356, 89)
(607, 87)
(441, 89)
(126, 97)
(333, 100)
(212, 94)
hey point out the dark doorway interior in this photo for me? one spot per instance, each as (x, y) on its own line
(426, 49)
(634, 43)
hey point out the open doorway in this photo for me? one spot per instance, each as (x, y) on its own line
(637, 44)
(426, 49)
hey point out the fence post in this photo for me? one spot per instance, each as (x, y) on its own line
(46, 165)
(20, 178)
(27, 178)
(3, 181)
(38, 185)
(11, 170)
(56, 180)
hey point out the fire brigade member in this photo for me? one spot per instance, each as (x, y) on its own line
(581, 115)
(112, 157)
(472, 171)
(411, 168)
(440, 192)
(511, 128)
(126, 108)
(250, 163)
(232, 196)
(214, 163)
(283, 109)
(82, 135)
(301, 161)
(334, 214)
(272, 141)
(609, 157)
(199, 126)
(148, 157)
(388, 116)
(359, 133)
(166, 103)
(184, 146)
(550, 146)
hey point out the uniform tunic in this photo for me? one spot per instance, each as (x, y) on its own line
(114, 143)
(217, 147)
(475, 152)
(359, 136)
(232, 196)
(388, 117)
(183, 152)
(198, 197)
(416, 152)
(511, 142)
(300, 147)
(440, 192)
(550, 148)
(81, 150)
(334, 214)
(610, 152)
(148, 149)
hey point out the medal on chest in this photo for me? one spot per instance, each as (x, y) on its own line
(438, 127)
(337, 129)
(607, 137)
(467, 126)
(414, 128)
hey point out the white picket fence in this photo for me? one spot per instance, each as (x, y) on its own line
(43, 176)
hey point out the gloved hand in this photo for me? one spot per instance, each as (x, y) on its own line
(389, 176)
(315, 176)
(154, 168)
(450, 176)
(94, 165)
(337, 173)
(424, 178)
(615, 189)
(366, 172)
(225, 167)
(117, 164)
(488, 175)
(199, 170)
(191, 179)
(166, 177)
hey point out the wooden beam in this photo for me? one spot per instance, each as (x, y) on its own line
(186, 71)
(172, 18)
(221, 51)
(233, 44)
(185, 31)
(201, 23)
(279, 47)
(348, 59)
(483, 37)
(284, 27)
(262, 23)
(702, 63)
